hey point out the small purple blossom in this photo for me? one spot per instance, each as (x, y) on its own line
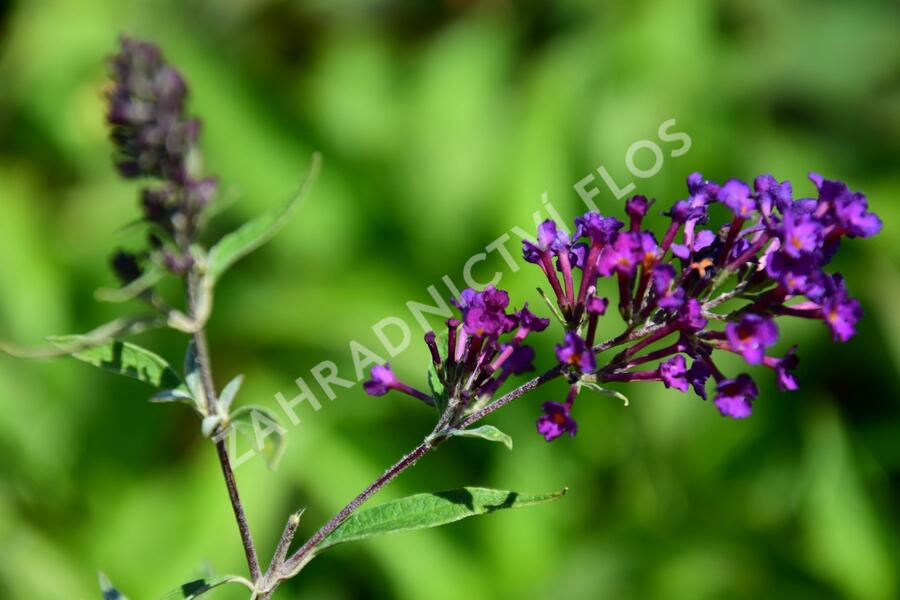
(801, 234)
(842, 311)
(623, 256)
(667, 297)
(599, 229)
(751, 336)
(735, 397)
(575, 352)
(382, 380)
(691, 316)
(556, 421)
(597, 306)
(784, 367)
(674, 373)
(772, 194)
(735, 194)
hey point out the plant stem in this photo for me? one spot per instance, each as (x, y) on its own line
(291, 565)
(204, 364)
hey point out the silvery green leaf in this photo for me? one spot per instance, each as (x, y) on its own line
(209, 424)
(125, 359)
(198, 587)
(64, 345)
(429, 510)
(192, 377)
(605, 391)
(261, 427)
(133, 289)
(226, 398)
(253, 234)
(107, 589)
(174, 395)
(485, 432)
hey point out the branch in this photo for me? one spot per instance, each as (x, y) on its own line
(204, 364)
(293, 565)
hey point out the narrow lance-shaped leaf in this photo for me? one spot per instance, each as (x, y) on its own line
(68, 344)
(604, 391)
(253, 234)
(226, 398)
(429, 510)
(198, 587)
(125, 359)
(192, 378)
(131, 290)
(485, 432)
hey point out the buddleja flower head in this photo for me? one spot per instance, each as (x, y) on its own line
(772, 254)
(146, 111)
(478, 353)
(155, 139)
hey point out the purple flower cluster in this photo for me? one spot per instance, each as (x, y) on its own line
(470, 361)
(772, 251)
(155, 139)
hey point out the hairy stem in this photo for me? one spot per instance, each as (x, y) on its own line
(299, 558)
(205, 367)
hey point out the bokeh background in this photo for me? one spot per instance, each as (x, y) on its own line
(442, 123)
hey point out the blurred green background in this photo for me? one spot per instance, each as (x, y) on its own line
(441, 124)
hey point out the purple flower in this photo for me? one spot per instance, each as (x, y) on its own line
(663, 276)
(636, 207)
(576, 353)
(773, 194)
(785, 379)
(852, 212)
(751, 336)
(483, 322)
(735, 397)
(597, 306)
(674, 373)
(798, 276)
(700, 188)
(691, 316)
(383, 380)
(735, 194)
(549, 239)
(556, 421)
(842, 312)
(697, 376)
(599, 229)
(126, 266)
(146, 105)
(623, 256)
(530, 321)
(801, 234)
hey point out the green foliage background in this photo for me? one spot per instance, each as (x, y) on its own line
(441, 124)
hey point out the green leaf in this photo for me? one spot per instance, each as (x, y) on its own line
(125, 359)
(69, 344)
(226, 398)
(253, 234)
(429, 510)
(192, 377)
(604, 391)
(133, 289)
(179, 394)
(485, 432)
(198, 587)
(109, 592)
(260, 425)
